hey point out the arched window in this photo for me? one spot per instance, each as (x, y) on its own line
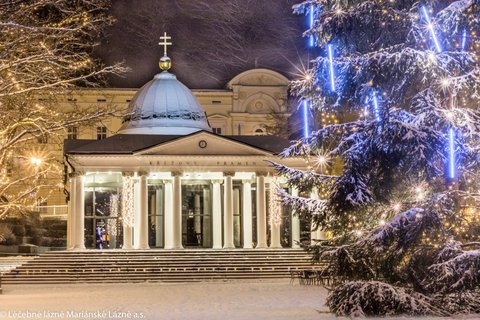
(259, 132)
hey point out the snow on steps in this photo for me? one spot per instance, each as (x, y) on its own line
(11, 262)
(159, 265)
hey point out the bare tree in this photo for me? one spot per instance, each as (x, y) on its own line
(45, 51)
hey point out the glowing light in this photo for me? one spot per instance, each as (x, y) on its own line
(397, 207)
(451, 153)
(420, 193)
(306, 131)
(432, 30)
(36, 161)
(311, 18)
(445, 82)
(322, 160)
(432, 58)
(332, 74)
(376, 107)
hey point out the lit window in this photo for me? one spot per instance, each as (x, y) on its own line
(72, 133)
(217, 130)
(101, 133)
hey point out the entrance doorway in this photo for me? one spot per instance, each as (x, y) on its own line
(196, 214)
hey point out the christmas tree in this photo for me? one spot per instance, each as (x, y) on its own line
(401, 214)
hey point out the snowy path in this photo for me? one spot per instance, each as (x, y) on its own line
(239, 300)
(214, 300)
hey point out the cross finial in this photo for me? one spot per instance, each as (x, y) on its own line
(165, 43)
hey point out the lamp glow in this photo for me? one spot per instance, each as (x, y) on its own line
(332, 74)
(36, 161)
(432, 30)
(306, 131)
(451, 153)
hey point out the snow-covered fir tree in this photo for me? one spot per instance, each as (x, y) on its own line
(46, 51)
(402, 213)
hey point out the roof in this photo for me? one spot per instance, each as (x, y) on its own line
(131, 143)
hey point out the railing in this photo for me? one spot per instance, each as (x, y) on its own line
(58, 211)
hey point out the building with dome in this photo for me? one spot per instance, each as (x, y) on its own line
(170, 178)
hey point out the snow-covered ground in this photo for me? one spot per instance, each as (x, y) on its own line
(275, 300)
(211, 300)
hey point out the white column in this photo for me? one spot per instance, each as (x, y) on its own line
(127, 237)
(143, 213)
(136, 214)
(236, 213)
(177, 211)
(316, 234)
(70, 217)
(207, 229)
(295, 224)
(261, 212)
(247, 214)
(158, 218)
(217, 214)
(228, 213)
(168, 212)
(197, 218)
(79, 213)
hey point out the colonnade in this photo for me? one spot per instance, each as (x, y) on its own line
(172, 208)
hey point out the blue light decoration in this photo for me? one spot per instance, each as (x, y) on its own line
(451, 154)
(376, 109)
(432, 30)
(332, 73)
(306, 129)
(311, 40)
(464, 39)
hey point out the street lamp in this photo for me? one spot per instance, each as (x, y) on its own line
(36, 161)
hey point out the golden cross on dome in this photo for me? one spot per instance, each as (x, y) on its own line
(165, 43)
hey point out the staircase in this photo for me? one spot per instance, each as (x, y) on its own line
(188, 265)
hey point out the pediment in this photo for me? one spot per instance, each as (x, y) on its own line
(204, 143)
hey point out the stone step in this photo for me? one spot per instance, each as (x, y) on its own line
(158, 265)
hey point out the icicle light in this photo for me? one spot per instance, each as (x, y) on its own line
(332, 73)
(451, 153)
(432, 30)
(464, 39)
(376, 108)
(311, 40)
(306, 131)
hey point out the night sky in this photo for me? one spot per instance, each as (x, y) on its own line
(213, 40)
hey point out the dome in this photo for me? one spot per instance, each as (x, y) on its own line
(164, 105)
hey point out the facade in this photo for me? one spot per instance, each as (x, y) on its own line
(181, 173)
